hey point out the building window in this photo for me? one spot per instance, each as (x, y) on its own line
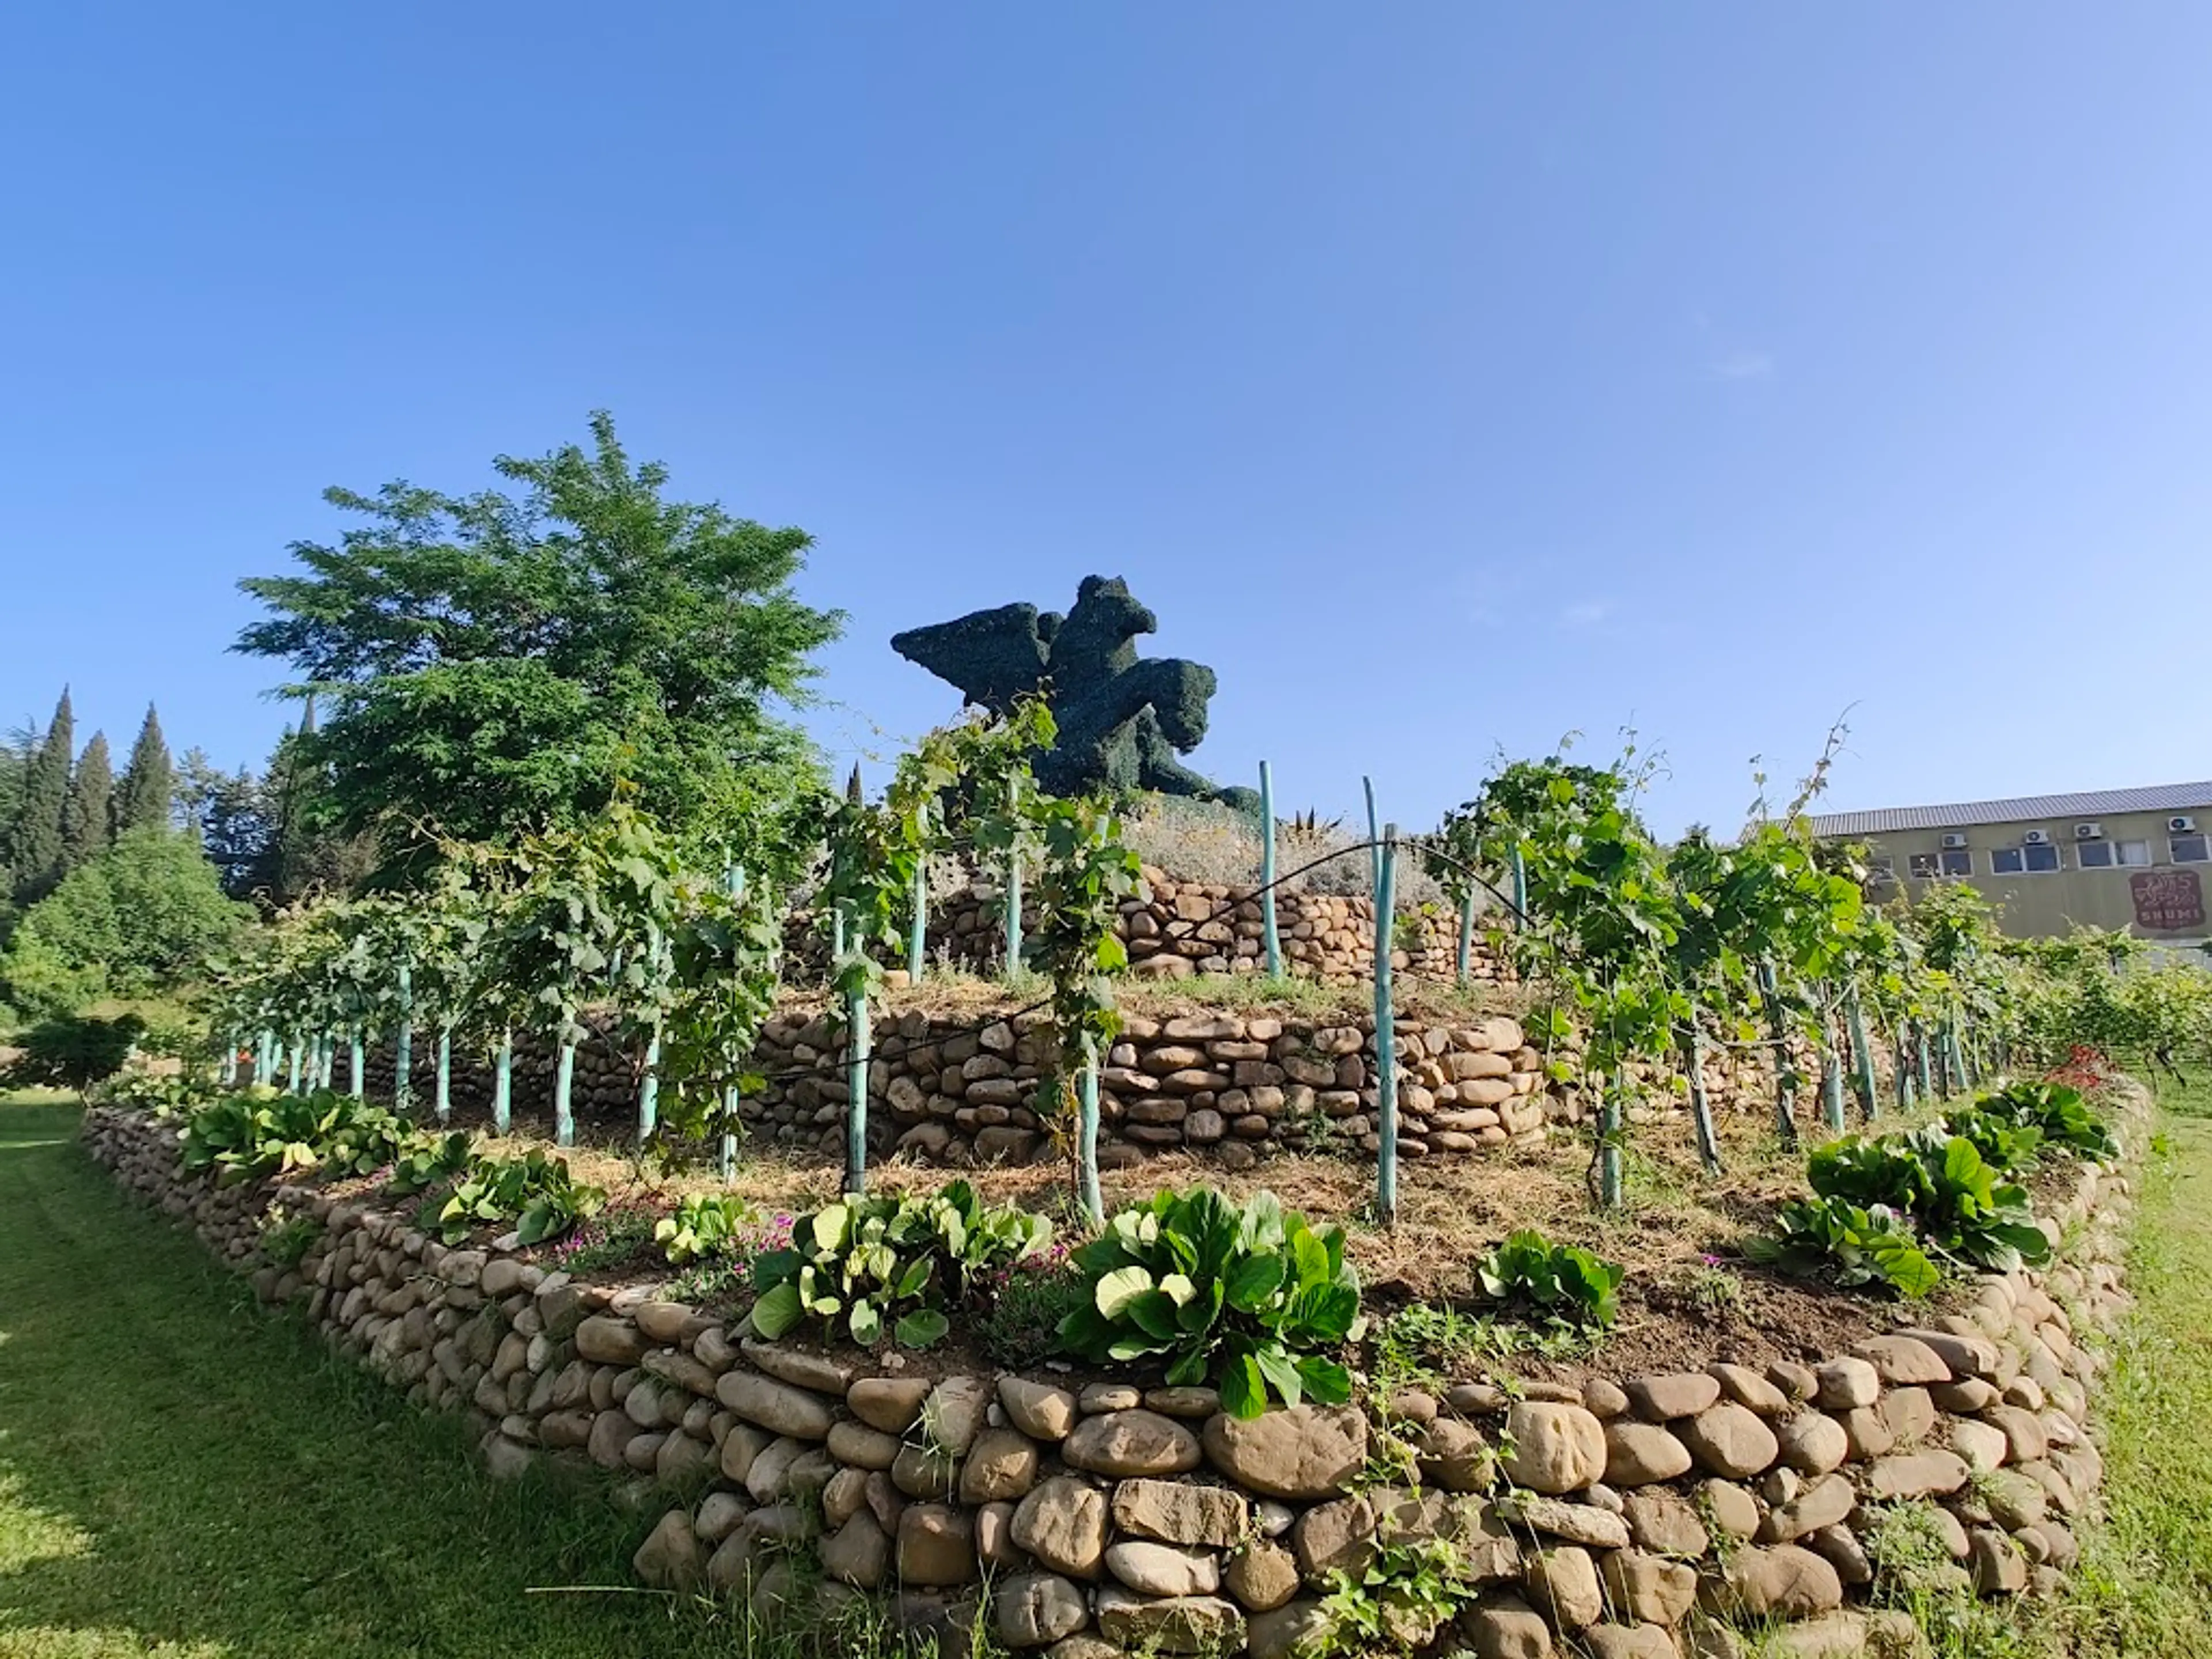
(2189, 850)
(1928, 867)
(1881, 870)
(1922, 867)
(2113, 854)
(2023, 860)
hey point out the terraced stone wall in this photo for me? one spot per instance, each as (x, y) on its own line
(1642, 1517)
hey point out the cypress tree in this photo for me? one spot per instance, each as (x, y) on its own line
(88, 815)
(34, 841)
(148, 782)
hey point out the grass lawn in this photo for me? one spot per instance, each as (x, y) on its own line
(182, 1475)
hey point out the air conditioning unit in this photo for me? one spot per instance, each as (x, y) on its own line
(1954, 841)
(2036, 838)
(2088, 832)
(2181, 824)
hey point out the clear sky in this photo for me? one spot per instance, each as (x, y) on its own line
(1448, 376)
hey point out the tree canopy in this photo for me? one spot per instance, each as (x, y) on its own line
(34, 843)
(144, 797)
(88, 814)
(491, 663)
(145, 914)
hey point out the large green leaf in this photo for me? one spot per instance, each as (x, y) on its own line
(777, 1310)
(1115, 1290)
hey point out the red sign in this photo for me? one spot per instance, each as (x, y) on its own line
(2168, 901)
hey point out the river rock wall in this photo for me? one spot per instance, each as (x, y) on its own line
(1636, 1517)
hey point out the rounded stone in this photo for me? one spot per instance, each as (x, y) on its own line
(1643, 1454)
(1730, 1440)
(1127, 1442)
(1814, 1444)
(1555, 1447)
(1035, 1609)
(1063, 1524)
(1302, 1453)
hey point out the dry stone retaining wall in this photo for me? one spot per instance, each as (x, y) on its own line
(1631, 1516)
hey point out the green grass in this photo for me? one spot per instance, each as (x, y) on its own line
(184, 1474)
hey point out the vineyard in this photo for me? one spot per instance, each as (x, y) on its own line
(872, 1100)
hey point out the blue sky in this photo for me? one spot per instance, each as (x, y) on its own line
(1447, 376)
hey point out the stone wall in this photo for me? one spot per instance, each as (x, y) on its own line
(1636, 1517)
(1176, 929)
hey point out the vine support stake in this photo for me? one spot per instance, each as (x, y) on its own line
(1921, 1067)
(443, 1101)
(1086, 1140)
(264, 1058)
(326, 1057)
(1903, 1074)
(1831, 1087)
(1374, 844)
(502, 1084)
(226, 1067)
(1785, 1066)
(357, 1053)
(292, 1082)
(564, 1083)
(1862, 1055)
(1386, 1034)
(1701, 1106)
(726, 1156)
(1609, 1184)
(403, 1063)
(1520, 872)
(1013, 896)
(856, 1092)
(648, 1083)
(1274, 940)
(917, 934)
(1466, 938)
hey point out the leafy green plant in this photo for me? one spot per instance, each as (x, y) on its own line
(881, 1263)
(1953, 1195)
(2058, 1113)
(704, 1224)
(423, 1159)
(1856, 1245)
(1560, 1281)
(535, 1191)
(1409, 1589)
(1253, 1297)
(286, 1239)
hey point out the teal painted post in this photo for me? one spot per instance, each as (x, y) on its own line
(403, 1056)
(1785, 1065)
(359, 1056)
(649, 1084)
(1013, 917)
(726, 1156)
(265, 1059)
(1373, 843)
(1609, 1152)
(443, 1101)
(1701, 1105)
(1862, 1055)
(836, 938)
(917, 932)
(227, 1073)
(1273, 938)
(1086, 1140)
(1921, 1067)
(1831, 1087)
(1466, 938)
(1904, 1067)
(292, 1082)
(856, 1092)
(1520, 872)
(1386, 1036)
(1960, 1068)
(502, 1084)
(564, 1083)
(326, 1058)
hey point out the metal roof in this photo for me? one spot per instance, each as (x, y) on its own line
(2157, 797)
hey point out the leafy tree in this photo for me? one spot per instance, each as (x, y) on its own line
(231, 813)
(145, 914)
(88, 814)
(73, 1052)
(34, 840)
(143, 799)
(495, 662)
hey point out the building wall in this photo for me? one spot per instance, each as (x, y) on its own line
(2162, 900)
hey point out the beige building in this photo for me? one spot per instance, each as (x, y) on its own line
(2132, 858)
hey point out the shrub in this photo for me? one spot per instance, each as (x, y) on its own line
(884, 1263)
(73, 1052)
(1560, 1281)
(146, 912)
(2057, 1113)
(536, 1192)
(1858, 1246)
(1953, 1195)
(1254, 1297)
(705, 1224)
